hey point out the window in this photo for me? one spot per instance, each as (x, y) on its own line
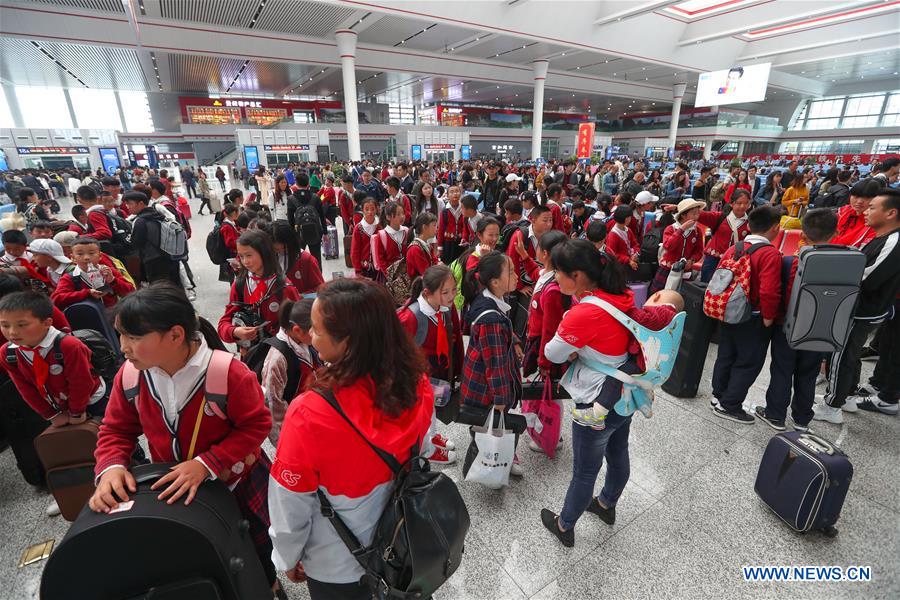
(848, 146)
(789, 148)
(43, 107)
(304, 116)
(95, 109)
(817, 147)
(892, 111)
(136, 108)
(729, 148)
(886, 146)
(401, 114)
(862, 110)
(6, 119)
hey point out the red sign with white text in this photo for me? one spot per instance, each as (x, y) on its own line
(585, 144)
(862, 159)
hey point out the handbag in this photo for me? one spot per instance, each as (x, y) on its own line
(544, 419)
(496, 449)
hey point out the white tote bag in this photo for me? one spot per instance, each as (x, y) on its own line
(496, 448)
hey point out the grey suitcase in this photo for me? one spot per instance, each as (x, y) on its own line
(823, 298)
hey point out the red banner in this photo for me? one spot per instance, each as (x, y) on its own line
(585, 144)
(862, 159)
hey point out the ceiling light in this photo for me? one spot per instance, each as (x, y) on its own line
(563, 53)
(577, 68)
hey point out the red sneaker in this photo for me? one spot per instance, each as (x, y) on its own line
(442, 457)
(441, 442)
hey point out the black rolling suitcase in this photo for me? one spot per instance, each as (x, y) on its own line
(698, 329)
(20, 426)
(150, 549)
(804, 480)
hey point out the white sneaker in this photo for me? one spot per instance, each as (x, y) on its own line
(533, 446)
(52, 508)
(850, 404)
(823, 412)
(821, 379)
(191, 294)
(516, 470)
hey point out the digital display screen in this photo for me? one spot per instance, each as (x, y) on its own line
(733, 86)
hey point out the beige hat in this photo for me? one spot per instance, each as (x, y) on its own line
(689, 204)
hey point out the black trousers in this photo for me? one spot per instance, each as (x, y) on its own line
(319, 590)
(161, 269)
(843, 374)
(191, 189)
(20, 425)
(887, 370)
(742, 353)
(791, 371)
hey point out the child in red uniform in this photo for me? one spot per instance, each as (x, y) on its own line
(545, 313)
(98, 220)
(420, 255)
(361, 243)
(432, 321)
(851, 228)
(79, 223)
(471, 217)
(450, 226)
(229, 232)
(541, 219)
(395, 194)
(726, 229)
(90, 278)
(390, 243)
(681, 239)
(291, 362)
(346, 203)
(553, 198)
(158, 393)
(300, 267)
(621, 242)
(257, 292)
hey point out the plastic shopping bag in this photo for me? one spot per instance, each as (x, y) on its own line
(496, 448)
(544, 425)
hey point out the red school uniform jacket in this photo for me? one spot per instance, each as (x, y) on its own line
(267, 306)
(723, 237)
(72, 289)
(418, 258)
(361, 249)
(450, 228)
(98, 224)
(619, 248)
(547, 308)
(305, 273)
(527, 269)
(765, 279)
(556, 211)
(68, 386)
(229, 236)
(678, 244)
(633, 226)
(59, 321)
(429, 346)
(852, 229)
(221, 443)
(345, 204)
(78, 228)
(386, 250)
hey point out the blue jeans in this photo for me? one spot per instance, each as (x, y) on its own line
(709, 267)
(590, 446)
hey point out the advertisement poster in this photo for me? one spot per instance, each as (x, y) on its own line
(251, 157)
(110, 159)
(416, 152)
(732, 86)
(465, 151)
(585, 144)
(152, 157)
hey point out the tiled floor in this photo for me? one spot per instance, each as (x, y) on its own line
(687, 522)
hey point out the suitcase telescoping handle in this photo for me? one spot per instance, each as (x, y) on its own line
(151, 472)
(816, 444)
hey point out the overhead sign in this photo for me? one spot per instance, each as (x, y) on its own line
(733, 86)
(286, 148)
(53, 150)
(440, 146)
(416, 152)
(585, 143)
(132, 158)
(110, 159)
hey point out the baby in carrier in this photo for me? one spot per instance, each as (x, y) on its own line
(656, 314)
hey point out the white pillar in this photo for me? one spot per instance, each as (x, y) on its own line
(740, 150)
(677, 95)
(707, 149)
(537, 119)
(346, 43)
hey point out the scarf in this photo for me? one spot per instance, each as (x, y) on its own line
(442, 345)
(260, 287)
(41, 367)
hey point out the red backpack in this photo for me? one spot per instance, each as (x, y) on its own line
(727, 296)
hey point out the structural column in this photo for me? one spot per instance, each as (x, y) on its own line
(740, 150)
(346, 43)
(537, 119)
(707, 149)
(677, 95)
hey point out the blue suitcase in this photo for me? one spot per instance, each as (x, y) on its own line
(804, 479)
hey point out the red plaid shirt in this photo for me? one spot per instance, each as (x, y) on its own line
(490, 370)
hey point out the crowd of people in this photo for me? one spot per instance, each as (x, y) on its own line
(467, 278)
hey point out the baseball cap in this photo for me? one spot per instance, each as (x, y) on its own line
(645, 197)
(50, 248)
(512, 177)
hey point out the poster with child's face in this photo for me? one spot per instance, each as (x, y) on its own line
(733, 86)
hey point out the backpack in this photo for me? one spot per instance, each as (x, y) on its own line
(837, 195)
(650, 245)
(399, 282)
(175, 210)
(105, 361)
(215, 245)
(121, 229)
(419, 538)
(717, 193)
(727, 297)
(255, 358)
(507, 232)
(459, 272)
(172, 240)
(307, 222)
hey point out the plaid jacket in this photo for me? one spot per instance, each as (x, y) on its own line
(490, 370)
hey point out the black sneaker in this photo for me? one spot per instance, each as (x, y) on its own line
(607, 515)
(878, 405)
(551, 521)
(760, 412)
(868, 353)
(738, 416)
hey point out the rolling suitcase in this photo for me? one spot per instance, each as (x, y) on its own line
(804, 480)
(207, 550)
(640, 293)
(330, 243)
(348, 241)
(698, 329)
(823, 298)
(67, 454)
(20, 425)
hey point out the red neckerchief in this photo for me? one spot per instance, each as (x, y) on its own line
(259, 292)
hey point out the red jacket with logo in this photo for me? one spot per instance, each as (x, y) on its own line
(723, 237)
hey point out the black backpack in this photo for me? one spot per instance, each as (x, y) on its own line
(507, 233)
(650, 245)
(105, 361)
(215, 245)
(255, 358)
(306, 218)
(418, 541)
(836, 196)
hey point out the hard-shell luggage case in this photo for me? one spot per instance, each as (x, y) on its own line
(640, 293)
(20, 425)
(348, 241)
(804, 479)
(330, 243)
(823, 298)
(67, 454)
(698, 329)
(91, 314)
(176, 552)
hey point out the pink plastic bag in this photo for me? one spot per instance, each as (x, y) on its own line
(548, 414)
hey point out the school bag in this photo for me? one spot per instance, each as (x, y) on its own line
(823, 298)
(399, 283)
(717, 193)
(208, 549)
(173, 240)
(419, 538)
(660, 349)
(215, 245)
(507, 232)
(306, 219)
(835, 196)
(255, 358)
(727, 296)
(650, 245)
